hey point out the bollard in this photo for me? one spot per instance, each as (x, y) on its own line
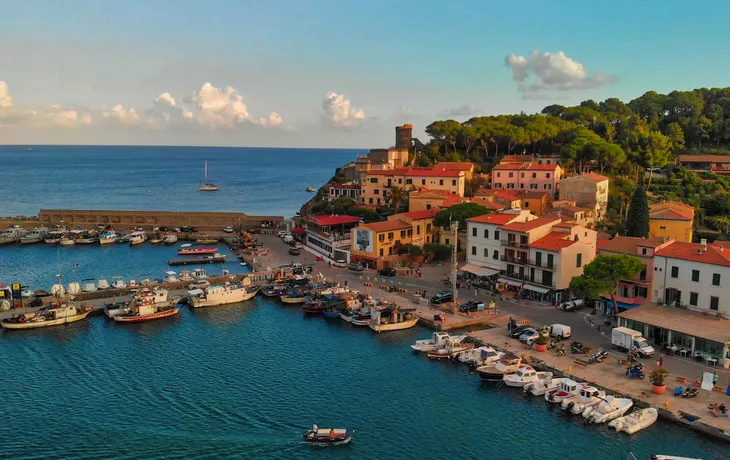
(666, 403)
(570, 368)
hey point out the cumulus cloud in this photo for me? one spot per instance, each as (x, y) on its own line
(49, 116)
(5, 99)
(217, 107)
(461, 111)
(544, 72)
(339, 112)
(120, 114)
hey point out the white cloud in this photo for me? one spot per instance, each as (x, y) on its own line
(5, 99)
(218, 107)
(542, 72)
(122, 115)
(461, 111)
(339, 112)
(49, 116)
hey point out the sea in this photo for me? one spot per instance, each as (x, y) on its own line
(244, 380)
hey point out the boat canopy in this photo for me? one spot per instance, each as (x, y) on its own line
(196, 292)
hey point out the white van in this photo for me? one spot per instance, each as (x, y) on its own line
(560, 331)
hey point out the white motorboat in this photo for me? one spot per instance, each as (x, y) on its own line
(635, 421)
(34, 236)
(103, 283)
(143, 307)
(171, 277)
(67, 241)
(199, 274)
(26, 294)
(136, 238)
(437, 340)
(132, 283)
(525, 375)
(108, 237)
(392, 318)
(11, 235)
(55, 314)
(74, 287)
(481, 356)
(453, 346)
(565, 388)
(119, 283)
(671, 457)
(509, 364)
(89, 286)
(540, 387)
(208, 186)
(185, 275)
(587, 396)
(58, 290)
(220, 295)
(609, 409)
(170, 239)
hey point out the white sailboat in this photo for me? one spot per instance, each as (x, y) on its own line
(208, 186)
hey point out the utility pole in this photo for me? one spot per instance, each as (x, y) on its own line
(454, 228)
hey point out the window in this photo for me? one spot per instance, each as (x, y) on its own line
(441, 182)
(402, 233)
(522, 175)
(373, 180)
(473, 231)
(376, 191)
(378, 201)
(534, 175)
(662, 227)
(381, 237)
(428, 228)
(381, 252)
(418, 229)
(390, 182)
(550, 261)
(640, 292)
(453, 182)
(486, 252)
(423, 181)
(547, 187)
(371, 201)
(538, 258)
(714, 302)
(522, 185)
(715, 279)
(533, 186)
(527, 204)
(486, 233)
(579, 260)
(511, 185)
(409, 181)
(400, 181)
(695, 275)
(446, 241)
(693, 299)
(547, 176)
(675, 272)
(473, 250)
(510, 175)
(496, 234)
(428, 205)
(499, 174)
(495, 255)
(643, 251)
(390, 235)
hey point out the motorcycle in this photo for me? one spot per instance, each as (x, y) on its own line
(598, 356)
(560, 350)
(635, 371)
(577, 348)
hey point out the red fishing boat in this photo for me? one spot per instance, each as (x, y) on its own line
(144, 308)
(196, 251)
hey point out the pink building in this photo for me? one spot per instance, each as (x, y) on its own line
(526, 176)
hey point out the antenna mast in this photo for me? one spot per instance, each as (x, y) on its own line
(454, 227)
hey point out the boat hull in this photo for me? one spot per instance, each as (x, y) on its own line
(407, 324)
(139, 319)
(234, 297)
(294, 300)
(52, 322)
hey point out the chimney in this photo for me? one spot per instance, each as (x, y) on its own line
(703, 242)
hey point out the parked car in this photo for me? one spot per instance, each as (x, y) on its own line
(519, 330)
(281, 234)
(228, 229)
(387, 271)
(529, 335)
(356, 266)
(294, 251)
(442, 297)
(471, 305)
(572, 305)
(186, 229)
(164, 229)
(193, 229)
(340, 263)
(560, 331)
(200, 284)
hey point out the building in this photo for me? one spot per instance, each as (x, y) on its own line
(526, 176)
(376, 183)
(636, 291)
(548, 159)
(504, 197)
(375, 245)
(349, 190)
(424, 198)
(672, 219)
(517, 159)
(465, 166)
(330, 236)
(588, 191)
(718, 164)
(568, 212)
(484, 241)
(403, 137)
(424, 230)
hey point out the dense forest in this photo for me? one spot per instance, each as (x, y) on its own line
(619, 137)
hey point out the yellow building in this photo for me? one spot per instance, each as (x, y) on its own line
(375, 184)
(671, 219)
(424, 230)
(424, 199)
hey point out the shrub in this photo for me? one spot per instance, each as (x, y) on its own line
(658, 376)
(439, 251)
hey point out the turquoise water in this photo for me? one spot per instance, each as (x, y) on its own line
(244, 381)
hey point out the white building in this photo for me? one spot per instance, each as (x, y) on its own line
(484, 247)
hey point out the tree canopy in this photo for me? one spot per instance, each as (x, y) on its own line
(459, 213)
(603, 275)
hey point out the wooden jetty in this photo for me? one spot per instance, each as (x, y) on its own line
(198, 260)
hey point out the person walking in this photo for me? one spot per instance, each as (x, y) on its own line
(714, 379)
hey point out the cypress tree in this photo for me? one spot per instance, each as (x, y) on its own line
(637, 221)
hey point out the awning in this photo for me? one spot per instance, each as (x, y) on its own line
(479, 271)
(622, 305)
(540, 289)
(510, 282)
(299, 231)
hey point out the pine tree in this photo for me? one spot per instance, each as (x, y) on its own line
(637, 220)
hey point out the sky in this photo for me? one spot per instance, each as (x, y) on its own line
(332, 73)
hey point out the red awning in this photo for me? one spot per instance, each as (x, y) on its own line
(299, 231)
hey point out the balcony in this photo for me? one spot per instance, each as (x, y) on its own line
(513, 244)
(513, 260)
(526, 278)
(542, 265)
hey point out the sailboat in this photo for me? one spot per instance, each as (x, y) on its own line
(208, 186)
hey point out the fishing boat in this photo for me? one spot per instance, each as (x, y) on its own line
(87, 238)
(11, 235)
(540, 387)
(312, 305)
(190, 251)
(199, 274)
(328, 436)
(481, 356)
(453, 346)
(220, 295)
(437, 340)
(331, 312)
(564, 388)
(635, 421)
(108, 237)
(495, 372)
(56, 313)
(361, 320)
(587, 396)
(525, 375)
(143, 307)
(159, 296)
(208, 186)
(393, 318)
(170, 239)
(137, 237)
(609, 409)
(54, 237)
(34, 236)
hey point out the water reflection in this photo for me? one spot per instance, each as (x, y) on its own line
(224, 316)
(60, 335)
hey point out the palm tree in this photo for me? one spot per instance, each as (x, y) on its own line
(396, 197)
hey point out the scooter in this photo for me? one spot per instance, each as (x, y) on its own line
(598, 356)
(577, 348)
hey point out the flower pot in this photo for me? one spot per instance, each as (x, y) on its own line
(658, 389)
(541, 348)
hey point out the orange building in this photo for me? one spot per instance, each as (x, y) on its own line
(375, 184)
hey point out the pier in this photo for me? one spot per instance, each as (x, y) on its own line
(198, 261)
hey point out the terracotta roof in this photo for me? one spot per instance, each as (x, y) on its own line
(434, 172)
(333, 220)
(683, 321)
(672, 204)
(714, 255)
(498, 218)
(387, 226)
(455, 165)
(554, 241)
(532, 194)
(531, 225)
(704, 158)
(509, 194)
(592, 176)
(416, 215)
(630, 244)
(387, 172)
(517, 158)
(525, 166)
(669, 214)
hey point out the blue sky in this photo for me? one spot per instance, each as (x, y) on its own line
(324, 73)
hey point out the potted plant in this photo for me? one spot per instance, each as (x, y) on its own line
(542, 341)
(658, 379)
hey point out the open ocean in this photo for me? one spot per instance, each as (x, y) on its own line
(243, 380)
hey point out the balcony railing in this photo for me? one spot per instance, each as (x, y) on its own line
(543, 265)
(513, 260)
(526, 277)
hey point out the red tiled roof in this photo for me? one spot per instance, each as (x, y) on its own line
(669, 214)
(525, 166)
(630, 244)
(672, 204)
(435, 172)
(455, 165)
(554, 241)
(704, 158)
(427, 191)
(591, 176)
(333, 220)
(387, 226)
(416, 215)
(498, 218)
(387, 172)
(509, 194)
(714, 255)
(531, 225)
(517, 158)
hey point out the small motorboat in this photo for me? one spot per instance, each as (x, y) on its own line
(331, 312)
(671, 457)
(437, 340)
(509, 364)
(481, 356)
(635, 421)
(587, 396)
(103, 283)
(361, 320)
(565, 388)
(310, 189)
(170, 239)
(171, 277)
(609, 409)
(525, 375)
(190, 251)
(540, 387)
(89, 286)
(328, 436)
(453, 346)
(119, 283)
(26, 294)
(206, 241)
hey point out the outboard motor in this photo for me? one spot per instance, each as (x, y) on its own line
(570, 406)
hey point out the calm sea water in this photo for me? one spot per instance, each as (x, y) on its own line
(242, 381)
(256, 181)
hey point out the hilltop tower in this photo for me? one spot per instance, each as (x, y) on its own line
(403, 135)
